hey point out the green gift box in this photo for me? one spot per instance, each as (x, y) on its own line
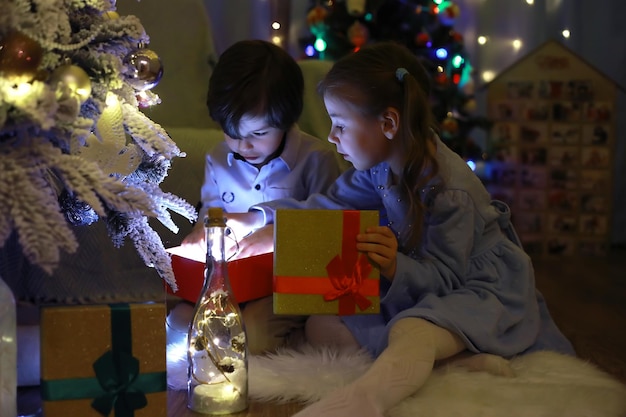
(317, 268)
(104, 360)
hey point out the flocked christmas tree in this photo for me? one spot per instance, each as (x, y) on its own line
(426, 27)
(74, 146)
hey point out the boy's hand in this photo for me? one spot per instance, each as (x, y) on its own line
(244, 223)
(194, 245)
(196, 236)
(259, 242)
(381, 246)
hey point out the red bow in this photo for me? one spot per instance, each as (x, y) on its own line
(347, 281)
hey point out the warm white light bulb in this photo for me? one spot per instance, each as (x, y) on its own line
(275, 25)
(111, 99)
(566, 33)
(517, 44)
(488, 76)
(530, 1)
(482, 40)
(277, 40)
(19, 90)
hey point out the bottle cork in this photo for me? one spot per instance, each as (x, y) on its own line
(215, 217)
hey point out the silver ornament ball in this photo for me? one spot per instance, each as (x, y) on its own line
(143, 69)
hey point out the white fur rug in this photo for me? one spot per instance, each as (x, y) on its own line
(546, 384)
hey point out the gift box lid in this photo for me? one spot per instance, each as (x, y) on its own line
(250, 278)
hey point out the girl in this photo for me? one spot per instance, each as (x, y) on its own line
(455, 276)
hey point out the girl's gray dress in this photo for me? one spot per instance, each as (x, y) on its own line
(471, 275)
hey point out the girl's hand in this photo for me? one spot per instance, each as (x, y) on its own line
(381, 246)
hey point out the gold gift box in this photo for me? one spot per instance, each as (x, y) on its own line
(82, 346)
(317, 269)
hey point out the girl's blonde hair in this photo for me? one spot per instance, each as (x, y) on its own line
(386, 75)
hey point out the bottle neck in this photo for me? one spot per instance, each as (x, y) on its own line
(216, 248)
(217, 267)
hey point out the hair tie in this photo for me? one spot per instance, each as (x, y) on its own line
(401, 73)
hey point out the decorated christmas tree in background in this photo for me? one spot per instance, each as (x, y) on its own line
(74, 146)
(426, 27)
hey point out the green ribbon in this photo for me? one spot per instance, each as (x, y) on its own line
(118, 384)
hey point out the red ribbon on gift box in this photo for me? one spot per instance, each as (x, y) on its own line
(347, 274)
(347, 284)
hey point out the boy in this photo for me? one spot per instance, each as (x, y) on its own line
(256, 96)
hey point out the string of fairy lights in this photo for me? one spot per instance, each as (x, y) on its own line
(485, 36)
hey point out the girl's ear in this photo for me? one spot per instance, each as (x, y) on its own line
(390, 122)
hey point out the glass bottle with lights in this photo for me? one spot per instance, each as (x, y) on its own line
(217, 348)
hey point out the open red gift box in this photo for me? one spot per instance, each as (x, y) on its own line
(250, 278)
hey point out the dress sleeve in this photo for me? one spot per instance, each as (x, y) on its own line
(353, 190)
(449, 236)
(322, 171)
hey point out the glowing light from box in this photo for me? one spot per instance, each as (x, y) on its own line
(482, 40)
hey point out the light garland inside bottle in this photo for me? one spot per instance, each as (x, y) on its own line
(216, 350)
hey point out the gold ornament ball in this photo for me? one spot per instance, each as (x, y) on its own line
(111, 15)
(143, 69)
(20, 55)
(74, 78)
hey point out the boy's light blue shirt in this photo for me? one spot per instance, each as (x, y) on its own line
(306, 166)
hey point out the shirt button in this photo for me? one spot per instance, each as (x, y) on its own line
(257, 187)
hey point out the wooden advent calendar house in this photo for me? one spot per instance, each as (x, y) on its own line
(552, 151)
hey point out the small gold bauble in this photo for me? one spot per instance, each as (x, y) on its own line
(143, 69)
(111, 15)
(73, 78)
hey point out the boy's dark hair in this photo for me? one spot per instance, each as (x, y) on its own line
(259, 78)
